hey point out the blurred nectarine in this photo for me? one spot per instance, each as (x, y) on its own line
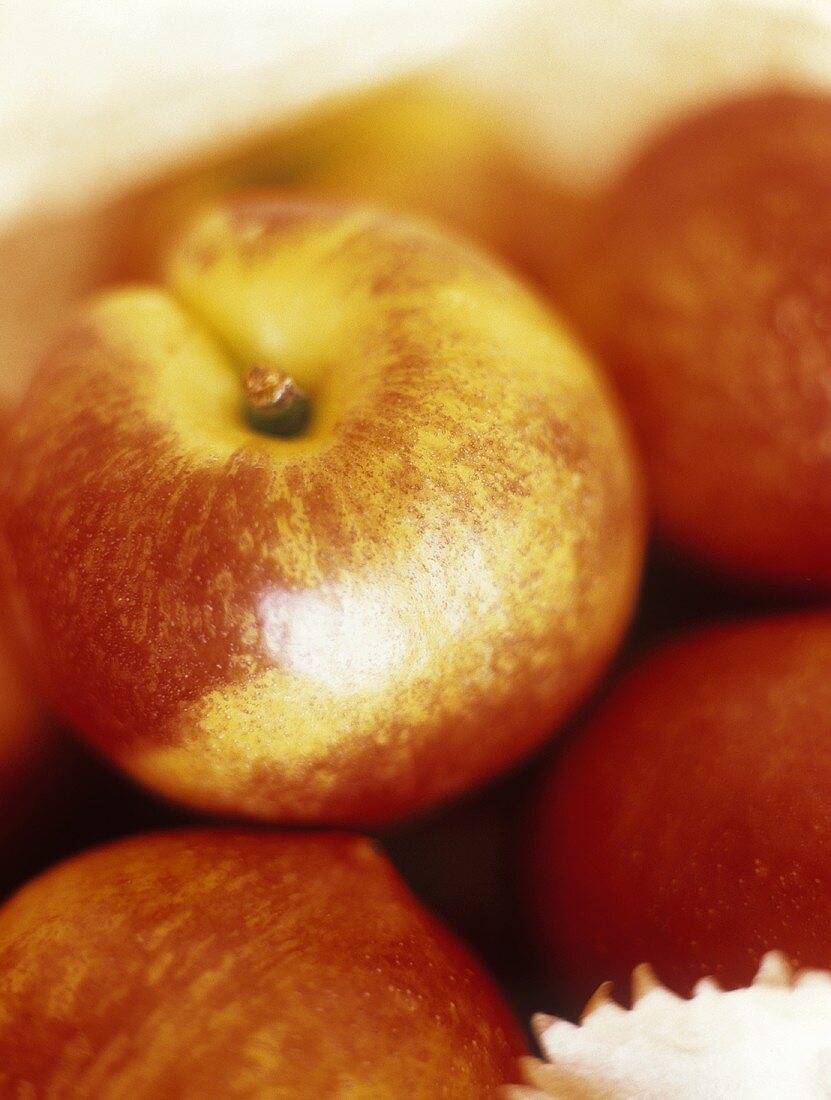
(705, 284)
(420, 146)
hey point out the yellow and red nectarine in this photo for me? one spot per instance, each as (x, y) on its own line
(353, 623)
(250, 965)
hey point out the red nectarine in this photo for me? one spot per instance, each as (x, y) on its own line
(221, 964)
(689, 824)
(705, 285)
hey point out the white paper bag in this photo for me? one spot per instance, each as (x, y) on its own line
(97, 97)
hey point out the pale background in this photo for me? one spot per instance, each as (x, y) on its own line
(97, 97)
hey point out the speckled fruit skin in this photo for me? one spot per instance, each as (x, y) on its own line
(689, 824)
(241, 965)
(705, 286)
(353, 624)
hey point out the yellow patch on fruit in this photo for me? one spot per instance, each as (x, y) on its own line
(355, 665)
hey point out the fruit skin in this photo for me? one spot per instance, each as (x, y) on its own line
(417, 147)
(242, 964)
(704, 286)
(31, 759)
(347, 626)
(688, 825)
(26, 745)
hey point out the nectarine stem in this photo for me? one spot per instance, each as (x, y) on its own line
(274, 404)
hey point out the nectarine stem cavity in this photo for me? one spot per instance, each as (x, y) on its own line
(274, 404)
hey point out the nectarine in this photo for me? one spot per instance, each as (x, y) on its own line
(705, 286)
(223, 964)
(354, 622)
(689, 824)
(418, 146)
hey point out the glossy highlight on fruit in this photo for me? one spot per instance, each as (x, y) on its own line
(704, 285)
(360, 620)
(241, 965)
(689, 822)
